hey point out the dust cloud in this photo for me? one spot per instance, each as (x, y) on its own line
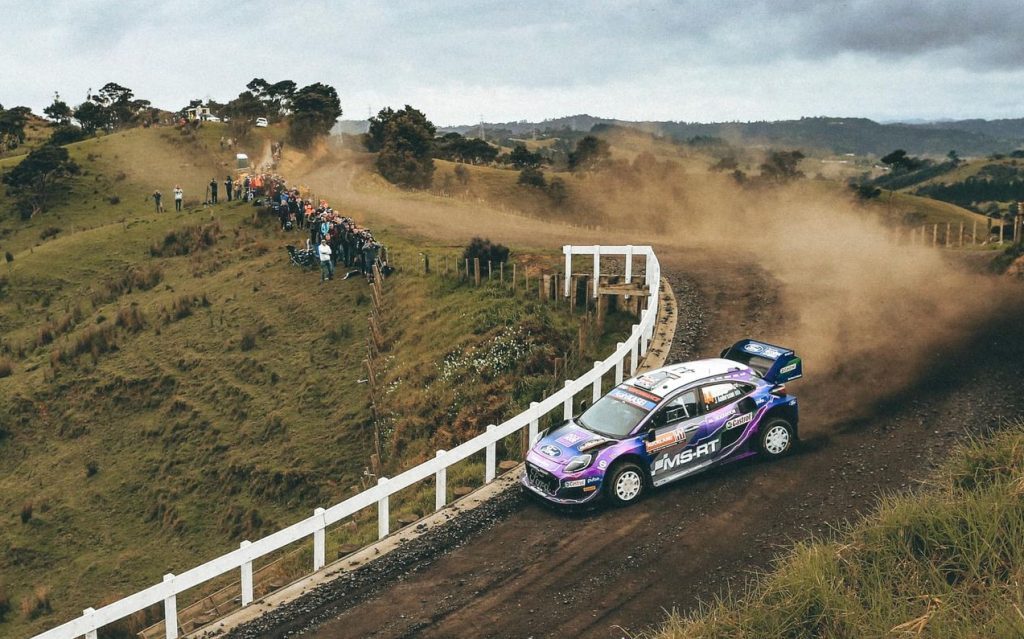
(867, 312)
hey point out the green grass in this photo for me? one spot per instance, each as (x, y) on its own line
(946, 563)
(171, 385)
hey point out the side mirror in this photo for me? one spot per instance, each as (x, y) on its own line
(650, 435)
(584, 405)
(746, 405)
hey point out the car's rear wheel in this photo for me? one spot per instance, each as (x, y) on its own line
(777, 438)
(625, 484)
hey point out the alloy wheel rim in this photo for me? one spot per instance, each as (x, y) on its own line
(627, 486)
(776, 440)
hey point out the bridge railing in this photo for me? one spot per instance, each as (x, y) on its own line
(625, 358)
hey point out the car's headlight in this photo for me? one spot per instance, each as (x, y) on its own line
(578, 463)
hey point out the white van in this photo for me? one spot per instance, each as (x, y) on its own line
(262, 122)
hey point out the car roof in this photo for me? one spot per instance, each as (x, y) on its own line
(667, 379)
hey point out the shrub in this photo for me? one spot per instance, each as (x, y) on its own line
(5, 603)
(37, 603)
(49, 232)
(131, 319)
(248, 341)
(532, 176)
(91, 468)
(485, 250)
(188, 240)
(26, 512)
(6, 368)
(114, 199)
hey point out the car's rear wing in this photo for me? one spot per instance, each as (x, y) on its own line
(776, 364)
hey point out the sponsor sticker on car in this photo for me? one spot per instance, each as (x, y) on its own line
(629, 398)
(736, 422)
(571, 439)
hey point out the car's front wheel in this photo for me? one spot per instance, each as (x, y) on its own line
(777, 438)
(625, 484)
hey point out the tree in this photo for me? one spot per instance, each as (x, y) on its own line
(38, 177)
(12, 127)
(315, 109)
(521, 158)
(404, 141)
(483, 249)
(591, 153)
(953, 157)
(117, 103)
(59, 111)
(899, 160)
(532, 176)
(781, 166)
(90, 116)
(243, 112)
(557, 191)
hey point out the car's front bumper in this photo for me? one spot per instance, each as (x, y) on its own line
(549, 486)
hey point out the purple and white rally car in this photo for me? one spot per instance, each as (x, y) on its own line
(670, 423)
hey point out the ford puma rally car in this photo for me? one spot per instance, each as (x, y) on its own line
(670, 423)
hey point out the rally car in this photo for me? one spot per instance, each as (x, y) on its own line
(670, 423)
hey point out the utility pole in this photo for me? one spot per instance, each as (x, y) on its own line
(483, 135)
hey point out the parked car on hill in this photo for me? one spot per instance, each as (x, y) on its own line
(261, 122)
(670, 423)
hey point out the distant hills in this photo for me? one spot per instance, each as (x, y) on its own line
(838, 135)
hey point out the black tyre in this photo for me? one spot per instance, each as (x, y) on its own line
(777, 438)
(625, 484)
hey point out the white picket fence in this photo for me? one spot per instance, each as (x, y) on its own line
(315, 526)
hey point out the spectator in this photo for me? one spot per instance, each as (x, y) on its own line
(179, 195)
(326, 265)
(158, 198)
(213, 190)
(229, 187)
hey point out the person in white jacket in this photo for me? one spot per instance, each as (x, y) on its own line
(326, 265)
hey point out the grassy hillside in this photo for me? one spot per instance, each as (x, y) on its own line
(945, 563)
(172, 385)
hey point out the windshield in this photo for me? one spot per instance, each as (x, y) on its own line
(618, 413)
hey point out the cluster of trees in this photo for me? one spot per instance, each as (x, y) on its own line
(973, 191)
(310, 112)
(457, 148)
(404, 143)
(112, 107)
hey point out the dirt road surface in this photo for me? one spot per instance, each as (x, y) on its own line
(527, 570)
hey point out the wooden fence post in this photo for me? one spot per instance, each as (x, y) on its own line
(476, 270)
(935, 235)
(974, 233)
(513, 277)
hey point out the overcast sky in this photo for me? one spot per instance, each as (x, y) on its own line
(706, 60)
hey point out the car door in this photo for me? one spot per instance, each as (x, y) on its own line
(718, 406)
(675, 426)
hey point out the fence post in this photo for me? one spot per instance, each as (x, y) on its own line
(629, 264)
(974, 233)
(633, 349)
(319, 541)
(383, 516)
(440, 484)
(88, 613)
(568, 267)
(534, 423)
(961, 234)
(171, 609)
(597, 385)
(567, 404)
(935, 235)
(476, 271)
(618, 366)
(246, 578)
(489, 457)
(597, 268)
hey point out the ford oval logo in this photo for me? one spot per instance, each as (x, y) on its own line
(550, 450)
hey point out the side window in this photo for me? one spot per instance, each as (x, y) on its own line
(715, 396)
(683, 406)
